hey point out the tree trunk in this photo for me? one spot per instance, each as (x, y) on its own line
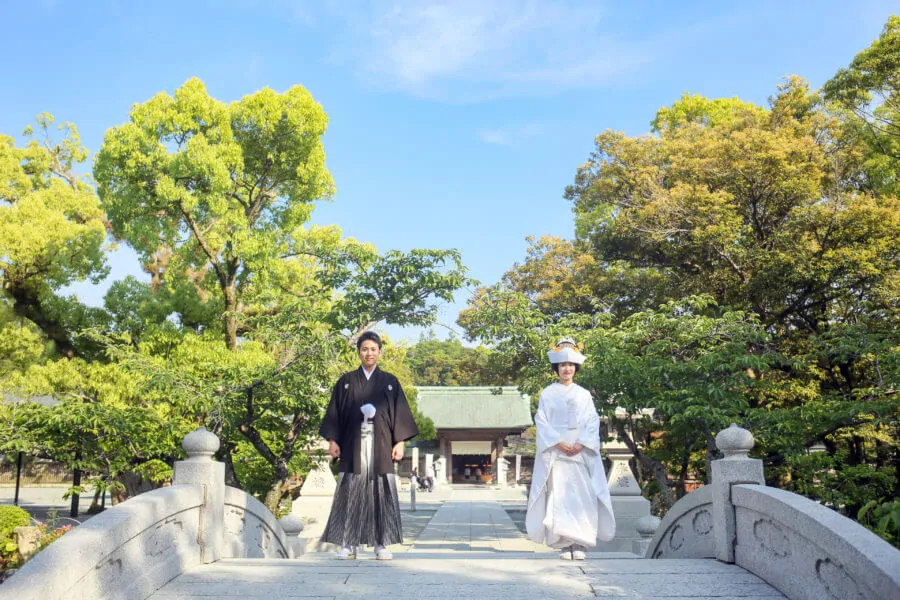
(287, 487)
(95, 503)
(230, 317)
(132, 485)
(273, 497)
(224, 454)
(27, 305)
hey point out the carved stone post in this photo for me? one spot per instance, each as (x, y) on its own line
(735, 443)
(646, 527)
(502, 472)
(293, 527)
(316, 494)
(629, 506)
(518, 468)
(201, 469)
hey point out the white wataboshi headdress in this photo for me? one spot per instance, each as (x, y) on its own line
(565, 351)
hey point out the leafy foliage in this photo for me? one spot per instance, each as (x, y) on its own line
(449, 363)
(738, 264)
(883, 519)
(246, 321)
(52, 230)
(868, 91)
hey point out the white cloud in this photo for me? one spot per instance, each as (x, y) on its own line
(509, 137)
(466, 50)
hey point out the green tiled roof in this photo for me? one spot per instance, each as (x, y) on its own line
(475, 407)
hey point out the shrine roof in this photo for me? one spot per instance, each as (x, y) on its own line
(475, 407)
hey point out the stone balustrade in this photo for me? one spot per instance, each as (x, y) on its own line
(132, 549)
(805, 550)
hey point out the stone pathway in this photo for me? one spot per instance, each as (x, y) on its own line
(486, 576)
(469, 549)
(472, 520)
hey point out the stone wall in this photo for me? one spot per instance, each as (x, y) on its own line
(799, 545)
(687, 529)
(128, 551)
(805, 550)
(134, 548)
(251, 530)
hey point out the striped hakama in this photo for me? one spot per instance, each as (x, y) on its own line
(365, 509)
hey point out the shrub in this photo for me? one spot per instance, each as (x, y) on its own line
(10, 518)
(882, 518)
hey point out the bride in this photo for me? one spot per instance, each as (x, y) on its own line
(569, 507)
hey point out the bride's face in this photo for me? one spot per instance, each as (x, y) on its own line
(566, 371)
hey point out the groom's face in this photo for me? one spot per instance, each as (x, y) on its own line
(369, 353)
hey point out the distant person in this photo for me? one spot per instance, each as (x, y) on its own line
(432, 477)
(569, 507)
(366, 424)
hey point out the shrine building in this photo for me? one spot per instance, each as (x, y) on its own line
(472, 424)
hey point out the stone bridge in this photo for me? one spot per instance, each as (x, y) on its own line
(734, 538)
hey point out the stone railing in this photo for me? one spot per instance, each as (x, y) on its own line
(805, 550)
(134, 548)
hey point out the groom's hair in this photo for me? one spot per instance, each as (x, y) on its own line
(369, 335)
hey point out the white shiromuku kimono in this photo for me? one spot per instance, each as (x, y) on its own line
(569, 502)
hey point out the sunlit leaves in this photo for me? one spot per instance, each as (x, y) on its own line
(52, 230)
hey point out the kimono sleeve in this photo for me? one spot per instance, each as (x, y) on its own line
(404, 424)
(588, 423)
(331, 428)
(547, 437)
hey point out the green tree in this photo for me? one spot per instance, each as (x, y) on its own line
(99, 422)
(759, 210)
(450, 363)
(53, 233)
(869, 92)
(216, 199)
(52, 229)
(216, 191)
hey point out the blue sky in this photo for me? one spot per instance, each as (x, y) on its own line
(452, 124)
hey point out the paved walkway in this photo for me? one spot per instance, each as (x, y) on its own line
(472, 519)
(469, 549)
(47, 502)
(461, 577)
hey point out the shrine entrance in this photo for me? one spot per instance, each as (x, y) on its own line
(472, 468)
(472, 425)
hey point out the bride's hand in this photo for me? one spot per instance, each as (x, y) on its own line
(565, 448)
